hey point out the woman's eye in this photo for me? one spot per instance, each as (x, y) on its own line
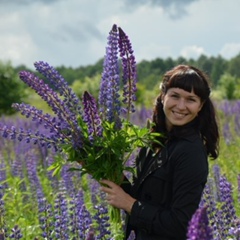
(175, 96)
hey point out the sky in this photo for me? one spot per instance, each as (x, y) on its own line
(74, 33)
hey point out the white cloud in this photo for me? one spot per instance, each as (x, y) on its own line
(230, 50)
(17, 49)
(192, 52)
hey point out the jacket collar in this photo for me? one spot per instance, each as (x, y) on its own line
(188, 132)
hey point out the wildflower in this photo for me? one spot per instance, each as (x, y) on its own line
(110, 82)
(198, 226)
(102, 218)
(91, 116)
(62, 217)
(16, 233)
(70, 98)
(227, 205)
(129, 76)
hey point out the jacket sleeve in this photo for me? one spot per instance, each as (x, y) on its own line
(190, 170)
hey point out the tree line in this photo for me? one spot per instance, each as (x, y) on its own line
(224, 75)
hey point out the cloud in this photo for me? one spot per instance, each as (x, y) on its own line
(24, 2)
(192, 52)
(18, 47)
(230, 50)
(174, 8)
(74, 32)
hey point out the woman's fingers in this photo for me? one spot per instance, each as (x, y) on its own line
(108, 183)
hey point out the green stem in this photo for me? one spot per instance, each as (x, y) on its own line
(116, 223)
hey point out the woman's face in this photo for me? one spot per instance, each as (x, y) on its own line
(180, 107)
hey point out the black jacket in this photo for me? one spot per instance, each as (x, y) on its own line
(168, 187)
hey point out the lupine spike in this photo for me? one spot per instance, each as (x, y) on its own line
(110, 82)
(91, 116)
(60, 85)
(198, 226)
(129, 76)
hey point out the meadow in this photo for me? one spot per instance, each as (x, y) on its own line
(35, 204)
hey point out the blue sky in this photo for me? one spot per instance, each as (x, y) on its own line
(74, 32)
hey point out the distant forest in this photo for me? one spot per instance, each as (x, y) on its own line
(150, 72)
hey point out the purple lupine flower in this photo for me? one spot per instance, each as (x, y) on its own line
(46, 93)
(59, 107)
(90, 235)
(60, 84)
(217, 176)
(234, 231)
(227, 204)
(208, 199)
(129, 71)
(91, 116)
(110, 82)
(59, 131)
(31, 164)
(61, 217)
(85, 222)
(76, 203)
(227, 133)
(46, 219)
(16, 233)
(28, 136)
(198, 226)
(102, 218)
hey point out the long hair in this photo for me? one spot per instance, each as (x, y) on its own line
(190, 78)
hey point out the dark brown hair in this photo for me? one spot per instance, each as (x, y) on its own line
(190, 78)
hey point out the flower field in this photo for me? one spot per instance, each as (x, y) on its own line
(50, 164)
(37, 205)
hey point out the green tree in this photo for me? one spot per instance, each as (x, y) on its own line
(11, 88)
(91, 85)
(228, 85)
(218, 69)
(234, 66)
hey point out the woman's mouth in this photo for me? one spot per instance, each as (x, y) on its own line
(179, 115)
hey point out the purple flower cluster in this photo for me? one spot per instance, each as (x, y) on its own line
(63, 127)
(91, 116)
(198, 226)
(109, 97)
(221, 211)
(231, 110)
(15, 233)
(69, 129)
(129, 71)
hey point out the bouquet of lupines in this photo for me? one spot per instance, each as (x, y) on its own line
(96, 133)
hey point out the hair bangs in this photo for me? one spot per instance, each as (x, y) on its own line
(188, 81)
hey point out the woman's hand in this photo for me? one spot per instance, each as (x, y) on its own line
(116, 196)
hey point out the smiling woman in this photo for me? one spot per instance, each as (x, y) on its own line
(170, 179)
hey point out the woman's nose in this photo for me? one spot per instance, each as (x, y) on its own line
(181, 104)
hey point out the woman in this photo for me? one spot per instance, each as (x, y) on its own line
(171, 178)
